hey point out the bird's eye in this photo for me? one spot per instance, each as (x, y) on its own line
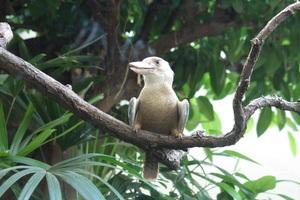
(157, 62)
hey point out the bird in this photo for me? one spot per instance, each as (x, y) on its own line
(157, 108)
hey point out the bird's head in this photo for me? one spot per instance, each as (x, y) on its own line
(154, 70)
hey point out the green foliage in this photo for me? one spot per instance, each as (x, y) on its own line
(205, 107)
(280, 119)
(70, 171)
(68, 37)
(264, 120)
(238, 155)
(261, 185)
(293, 144)
(3, 130)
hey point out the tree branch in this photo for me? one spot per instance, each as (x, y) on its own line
(274, 101)
(145, 139)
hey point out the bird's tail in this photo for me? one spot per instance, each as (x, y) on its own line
(150, 171)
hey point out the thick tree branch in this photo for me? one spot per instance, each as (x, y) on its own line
(144, 139)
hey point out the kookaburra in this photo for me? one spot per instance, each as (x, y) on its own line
(157, 108)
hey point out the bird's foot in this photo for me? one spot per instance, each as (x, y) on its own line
(177, 134)
(136, 130)
(137, 127)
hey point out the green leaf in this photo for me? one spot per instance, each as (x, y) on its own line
(111, 188)
(3, 172)
(239, 155)
(296, 117)
(96, 98)
(36, 59)
(203, 195)
(14, 178)
(24, 53)
(281, 119)
(250, 125)
(3, 130)
(264, 121)
(29, 161)
(3, 78)
(291, 124)
(288, 181)
(293, 144)
(59, 121)
(21, 130)
(69, 130)
(74, 161)
(213, 127)
(194, 116)
(205, 107)
(84, 45)
(237, 6)
(225, 187)
(262, 184)
(31, 184)
(230, 191)
(285, 197)
(104, 182)
(35, 143)
(241, 176)
(208, 153)
(217, 76)
(61, 61)
(231, 180)
(82, 185)
(4, 154)
(53, 187)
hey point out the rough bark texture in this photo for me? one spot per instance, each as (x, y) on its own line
(144, 139)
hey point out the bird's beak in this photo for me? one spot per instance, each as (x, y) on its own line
(141, 67)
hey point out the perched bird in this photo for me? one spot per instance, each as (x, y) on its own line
(157, 108)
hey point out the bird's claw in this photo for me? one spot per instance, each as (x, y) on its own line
(136, 130)
(178, 134)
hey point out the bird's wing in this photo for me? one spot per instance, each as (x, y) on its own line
(132, 110)
(183, 112)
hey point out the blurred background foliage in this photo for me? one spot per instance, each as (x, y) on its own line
(47, 153)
